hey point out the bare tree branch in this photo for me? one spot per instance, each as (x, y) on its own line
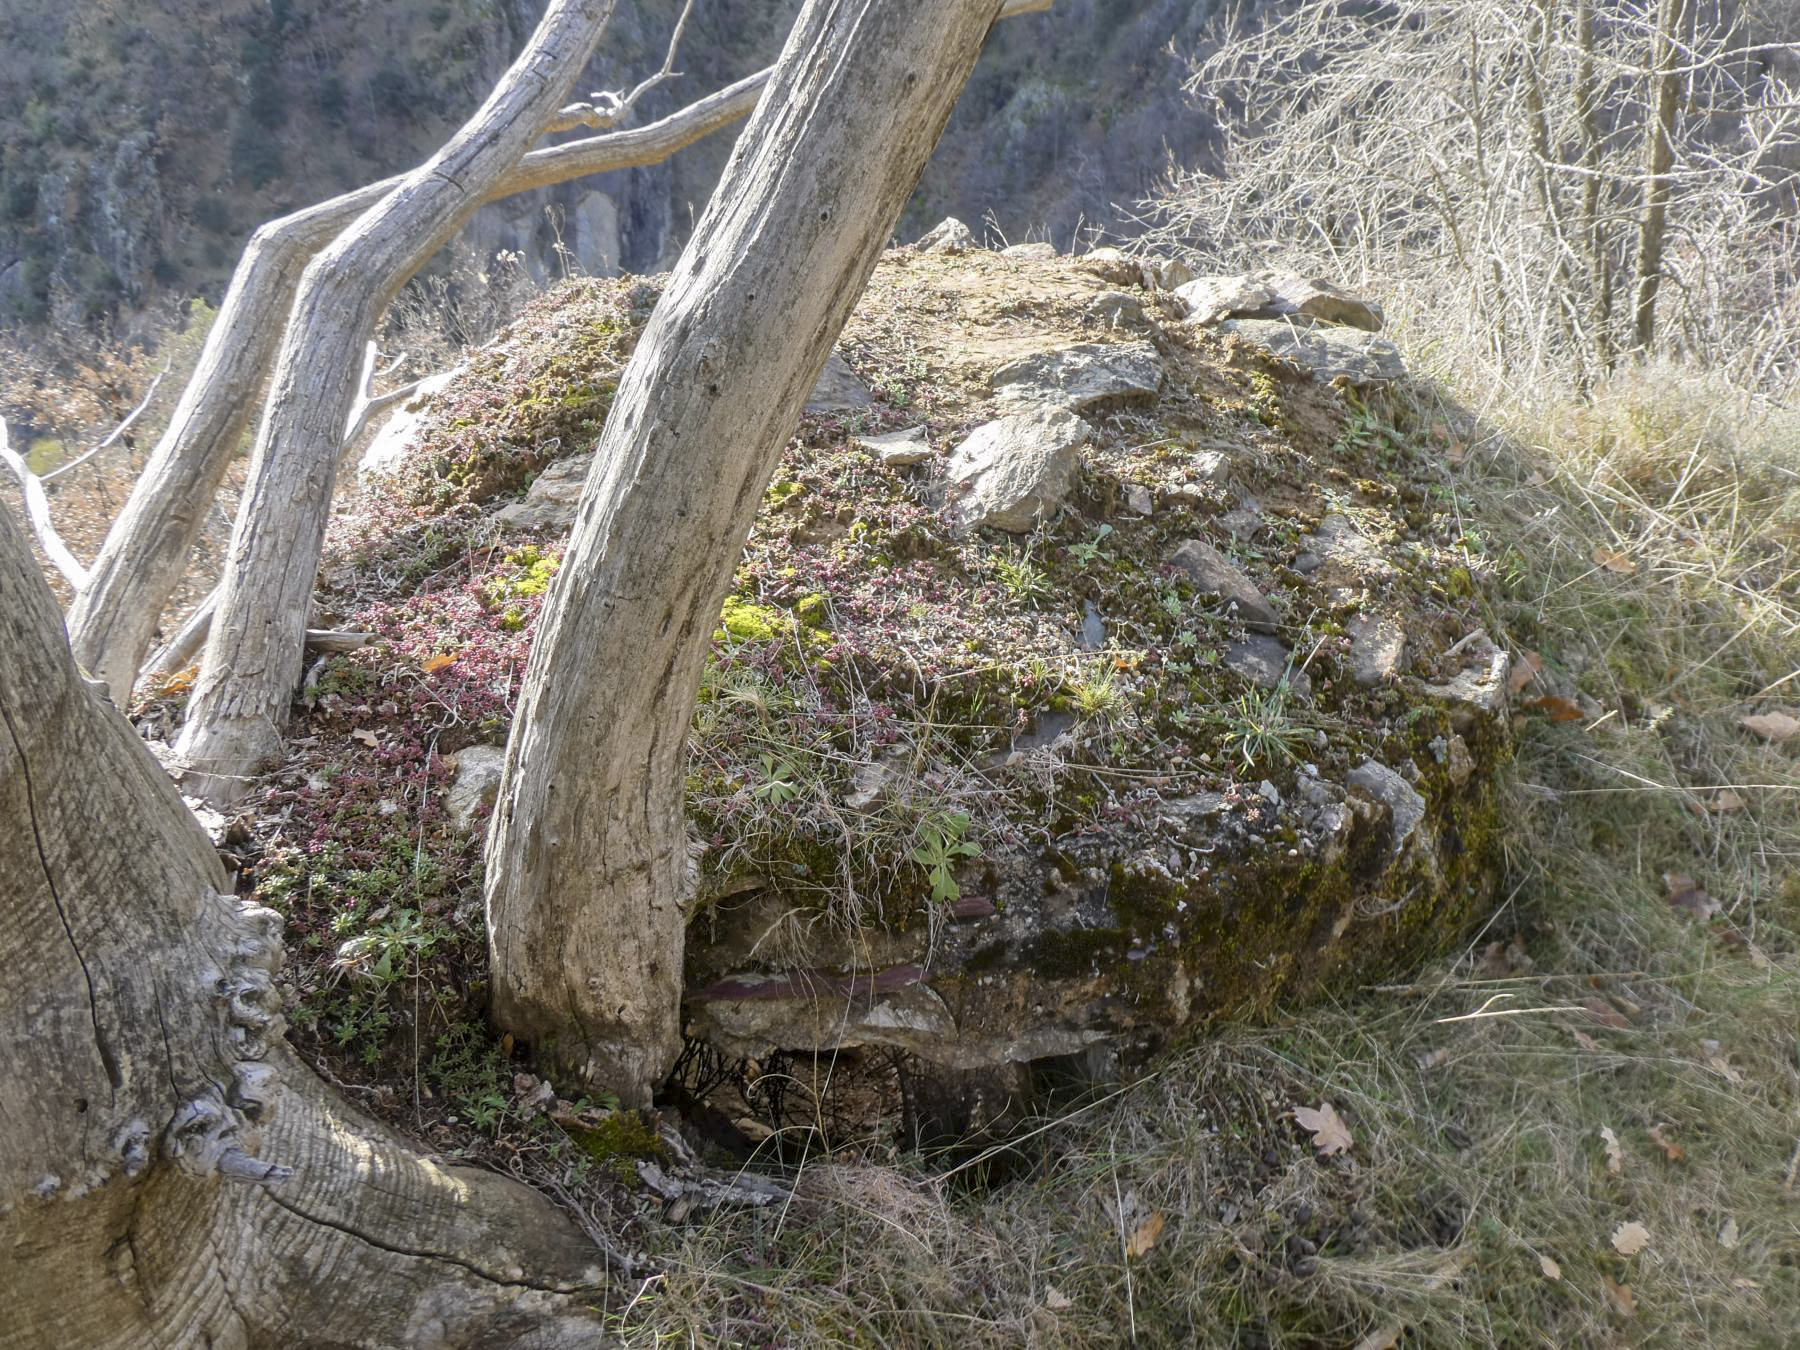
(37, 514)
(608, 110)
(114, 434)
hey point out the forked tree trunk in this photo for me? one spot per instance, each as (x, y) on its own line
(252, 658)
(149, 1110)
(114, 616)
(587, 858)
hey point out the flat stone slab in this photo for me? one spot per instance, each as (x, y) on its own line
(898, 449)
(1264, 662)
(1328, 353)
(1212, 573)
(1377, 645)
(1081, 376)
(1015, 471)
(839, 390)
(553, 498)
(1275, 295)
(475, 786)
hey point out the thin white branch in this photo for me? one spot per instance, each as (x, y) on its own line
(609, 109)
(37, 514)
(114, 435)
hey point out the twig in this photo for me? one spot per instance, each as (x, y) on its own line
(368, 404)
(37, 515)
(114, 435)
(608, 109)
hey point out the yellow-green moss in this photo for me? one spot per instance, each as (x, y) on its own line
(619, 1142)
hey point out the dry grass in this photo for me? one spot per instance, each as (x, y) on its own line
(1645, 538)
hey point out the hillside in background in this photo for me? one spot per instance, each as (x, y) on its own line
(140, 144)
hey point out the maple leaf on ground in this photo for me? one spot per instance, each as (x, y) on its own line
(1630, 1238)
(1329, 1133)
(1145, 1235)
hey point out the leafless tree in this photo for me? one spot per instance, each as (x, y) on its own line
(1563, 181)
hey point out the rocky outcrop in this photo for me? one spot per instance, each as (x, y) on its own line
(1328, 353)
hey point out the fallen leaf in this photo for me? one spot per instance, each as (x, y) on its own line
(1329, 1133)
(1742, 1283)
(1728, 1235)
(1055, 1300)
(1614, 561)
(1382, 1338)
(433, 664)
(366, 736)
(1145, 1235)
(1431, 1059)
(1605, 1014)
(1684, 894)
(1585, 1041)
(1615, 1156)
(1551, 1270)
(1524, 671)
(1630, 1238)
(1671, 1150)
(1620, 1296)
(1718, 1062)
(1558, 709)
(1724, 802)
(1771, 726)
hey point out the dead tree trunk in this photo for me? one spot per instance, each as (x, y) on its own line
(169, 1174)
(252, 656)
(587, 858)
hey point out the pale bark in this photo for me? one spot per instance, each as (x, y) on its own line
(169, 1174)
(587, 860)
(252, 658)
(115, 616)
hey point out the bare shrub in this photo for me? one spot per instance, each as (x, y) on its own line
(1499, 165)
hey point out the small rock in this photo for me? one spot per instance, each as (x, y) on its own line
(1264, 661)
(898, 449)
(1212, 573)
(1110, 264)
(1406, 806)
(1243, 520)
(1376, 646)
(950, 236)
(1458, 762)
(1357, 357)
(1210, 465)
(1482, 687)
(1037, 251)
(1015, 471)
(1353, 555)
(1080, 376)
(475, 785)
(839, 390)
(1138, 500)
(1093, 628)
(1275, 295)
(1116, 309)
(1165, 274)
(553, 498)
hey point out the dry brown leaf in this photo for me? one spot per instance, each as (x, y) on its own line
(1614, 561)
(1719, 1062)
(1431, 1059)
(1728, 1235)
(1605, 1014)
(1329, 1133)
(1685, 894)
(366, 736)
(1585, 1041)
(1524, 671)
(1742, 1283)
(1771, 726)
(1671, 1150)
(1055, 1300)
(1620, 1296)
(1557, 709)
(433, 664)
(1145, 1236)
(1724, 802)
(1630, 1238)
(1615, 1156)
(1551, 1270)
